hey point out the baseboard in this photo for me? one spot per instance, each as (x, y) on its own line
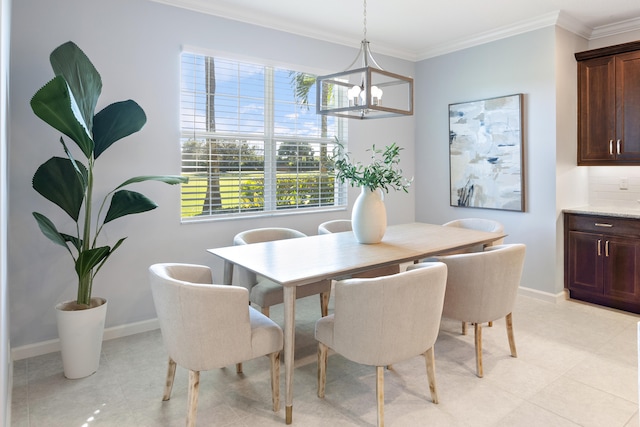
(52, 346)
(544, 296)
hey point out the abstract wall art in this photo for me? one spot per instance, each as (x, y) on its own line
(486, 157)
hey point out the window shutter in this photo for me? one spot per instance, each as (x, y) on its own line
(249, 144)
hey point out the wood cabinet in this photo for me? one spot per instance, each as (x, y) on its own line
(609, 105)
(602, 260)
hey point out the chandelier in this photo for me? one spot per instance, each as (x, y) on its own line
(366, 92)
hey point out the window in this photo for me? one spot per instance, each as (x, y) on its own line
(252, 143)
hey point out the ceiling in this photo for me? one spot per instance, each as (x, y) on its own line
(418, 29)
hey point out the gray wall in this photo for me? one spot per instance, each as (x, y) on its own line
(5, 357)
(521, 64)
(135, 45)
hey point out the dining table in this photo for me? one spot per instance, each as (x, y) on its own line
(296, 262)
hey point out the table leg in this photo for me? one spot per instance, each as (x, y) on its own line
(227, 277)
(289, 346)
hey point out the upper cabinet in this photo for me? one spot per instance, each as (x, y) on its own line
(609, 105)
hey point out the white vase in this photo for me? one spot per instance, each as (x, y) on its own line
(80, 333)
(369, 216)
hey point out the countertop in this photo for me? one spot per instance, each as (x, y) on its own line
(613, 211)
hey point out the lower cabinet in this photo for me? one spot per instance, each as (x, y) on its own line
(602, 260)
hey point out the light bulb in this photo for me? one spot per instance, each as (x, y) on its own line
(376, 95)
(354, 95)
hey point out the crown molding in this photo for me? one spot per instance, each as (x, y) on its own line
(499, 33)
(249, 17)
(556, 18)
(615, 28)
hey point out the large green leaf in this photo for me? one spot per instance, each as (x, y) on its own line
(116, 121)
(55, 104)
(90, 258)
(69, 61)
(167, 179)
(58, 181)
(125, 202)
(116, 246)
(77, 166)
(50, 230)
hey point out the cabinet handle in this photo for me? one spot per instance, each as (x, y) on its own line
(611, 147)
(602, 224)
(618, 146)
(606, 248)
(599, 251)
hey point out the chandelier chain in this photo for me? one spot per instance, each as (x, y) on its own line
(365, 20)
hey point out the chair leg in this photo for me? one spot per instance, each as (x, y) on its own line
(238, 368)
(380, 394)
(168, 385)
(275, 380)
(429, 356)
(478, 336)
(512, 341)
(265, 311)
(490, 324)
(324, 303)
(323, 353)
(192, 399)
(464, 328)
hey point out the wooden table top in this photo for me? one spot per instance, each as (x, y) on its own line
(294, 262)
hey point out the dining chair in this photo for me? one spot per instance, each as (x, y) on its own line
(480, 224)
(206, 326)
(384, 320)
(342, 225)
(482, 287)
(262, 291)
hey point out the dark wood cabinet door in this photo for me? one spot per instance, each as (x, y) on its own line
(622, 268)
(628, 106)
(596, 111)
(585, 262)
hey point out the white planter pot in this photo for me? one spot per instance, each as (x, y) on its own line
(80, 333)
(369, 216)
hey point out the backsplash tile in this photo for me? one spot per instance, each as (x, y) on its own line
(604, 185)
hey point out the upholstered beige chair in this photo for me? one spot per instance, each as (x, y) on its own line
(480, 224)
(482, 287)
(335, 226)
(384, 320)
(342, 225)
(265, 293)
(207, 326)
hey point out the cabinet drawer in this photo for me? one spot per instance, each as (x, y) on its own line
(606, 225)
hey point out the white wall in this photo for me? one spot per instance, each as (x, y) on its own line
(135, 44)
(571, 180)
(5, 357)
(521, 64)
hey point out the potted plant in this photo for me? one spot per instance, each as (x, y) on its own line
(369, 216)
(67, 103)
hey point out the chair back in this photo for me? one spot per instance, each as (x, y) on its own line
(246, 278)
(259, 235)
(204, 326)
(479, 224)
(335, 226)
(384, 320)
(482, 286)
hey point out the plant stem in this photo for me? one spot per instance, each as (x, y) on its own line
(85, 282)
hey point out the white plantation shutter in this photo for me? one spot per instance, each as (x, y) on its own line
(248, 146)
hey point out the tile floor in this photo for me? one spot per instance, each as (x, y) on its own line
(576, 366)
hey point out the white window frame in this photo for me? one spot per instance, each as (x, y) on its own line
(270, 196)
